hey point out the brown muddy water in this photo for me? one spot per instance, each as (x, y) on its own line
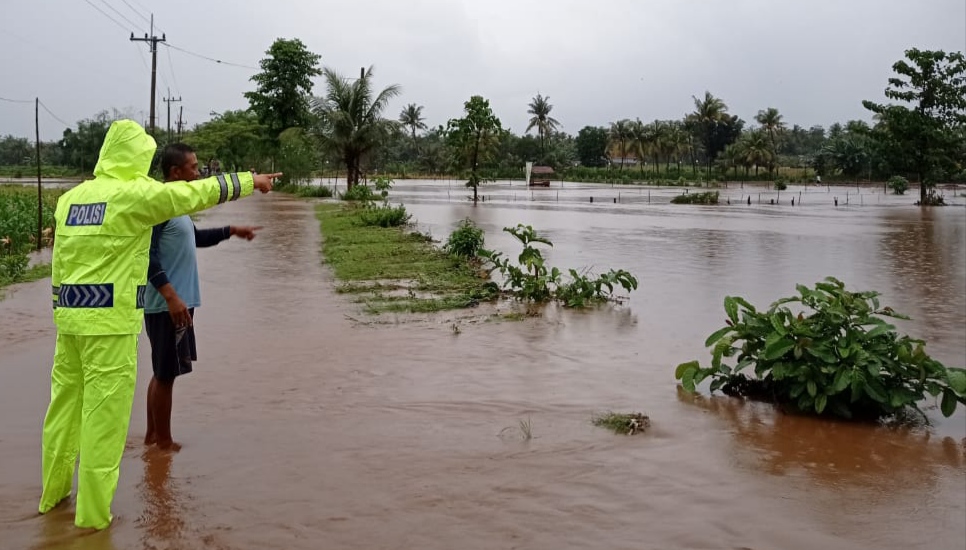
(304, 429)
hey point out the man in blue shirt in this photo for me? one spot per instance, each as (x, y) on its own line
(173, 295)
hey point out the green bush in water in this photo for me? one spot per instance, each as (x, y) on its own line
(837, 356)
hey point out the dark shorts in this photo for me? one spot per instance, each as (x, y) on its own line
(172, 351)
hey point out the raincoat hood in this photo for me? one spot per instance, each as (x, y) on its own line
(127, 152)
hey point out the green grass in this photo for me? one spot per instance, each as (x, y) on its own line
(628, 424)
(395, 270)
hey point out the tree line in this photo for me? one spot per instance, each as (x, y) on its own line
(920, 133)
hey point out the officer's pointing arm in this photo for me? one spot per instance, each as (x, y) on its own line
(161, 202)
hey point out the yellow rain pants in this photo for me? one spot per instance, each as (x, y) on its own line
(91, 392)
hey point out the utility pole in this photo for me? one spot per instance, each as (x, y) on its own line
(40, 195)
(180, 121)
(169, 100)
(153, 41)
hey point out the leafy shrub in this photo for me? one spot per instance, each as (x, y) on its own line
(533, 281)
(842, 357)
(898, 184)
(12, 268)
(710, 197)
(781, 183)
(385, 216)
(583, 290)
(358, 192)
(465, 241)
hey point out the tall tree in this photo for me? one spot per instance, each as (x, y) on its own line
(545, 124)
(412, 118)
(350, 119)
(709, 113)
(927, 134)
(474, 137)
(756, 150)
(236, 138)
(619, 135)
(284, 87)
(591, 145)
(771, 122)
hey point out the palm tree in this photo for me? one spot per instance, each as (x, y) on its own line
(708, 113)
(412, 117)
(771, 122)
(351, 119)
(619, 134)
(678, 141)
(638, 141)
(546, 125)
(757, 151)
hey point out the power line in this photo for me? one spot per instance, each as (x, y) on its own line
(212, 59)
(104, 13)
(15, 100)
(57, 118)
(146, 20)
(132, 23)
(171, 67)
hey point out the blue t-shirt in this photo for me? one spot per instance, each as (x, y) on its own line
(173, 260)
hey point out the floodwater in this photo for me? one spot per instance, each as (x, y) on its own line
(304, 426)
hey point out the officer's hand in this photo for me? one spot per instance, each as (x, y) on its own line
(179, 312)
(246, 232)
(263, 182)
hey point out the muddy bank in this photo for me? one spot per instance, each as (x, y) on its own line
(304, 429)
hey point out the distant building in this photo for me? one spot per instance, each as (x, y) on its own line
(540, 176)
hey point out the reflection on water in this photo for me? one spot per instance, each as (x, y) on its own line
(834, 453)
(162, 517)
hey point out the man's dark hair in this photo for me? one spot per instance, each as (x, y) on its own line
(174, 155)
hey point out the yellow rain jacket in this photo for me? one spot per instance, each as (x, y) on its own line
(99, 273)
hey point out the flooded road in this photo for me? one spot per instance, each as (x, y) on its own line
(305, 429)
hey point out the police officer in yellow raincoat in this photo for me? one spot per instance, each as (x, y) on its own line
(99, 272)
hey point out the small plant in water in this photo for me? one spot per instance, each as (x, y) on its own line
(465, 241)
(628, 424)
(532, 280)
(838, 355)
(524, 429)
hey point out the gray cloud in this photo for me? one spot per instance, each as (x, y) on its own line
(814, 60)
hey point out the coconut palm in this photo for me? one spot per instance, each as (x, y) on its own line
(678, 141)
(619, 136)
(412, 117)
(546, 125)
(708, 113)
(757, 150)
(771, 122)
(351, 122)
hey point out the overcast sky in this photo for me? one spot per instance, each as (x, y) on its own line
(598, 61)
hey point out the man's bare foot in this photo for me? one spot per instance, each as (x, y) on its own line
(169, 446)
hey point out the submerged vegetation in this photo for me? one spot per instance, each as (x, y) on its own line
(836, 355)
(623, 423)
(710, 197)
(390, 269)
(533, 281)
